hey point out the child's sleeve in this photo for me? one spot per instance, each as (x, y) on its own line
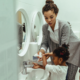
(55, 69)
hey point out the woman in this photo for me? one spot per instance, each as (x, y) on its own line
(56, 33)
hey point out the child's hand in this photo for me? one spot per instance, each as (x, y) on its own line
(41, 59)
(48, 54)
(36, 66)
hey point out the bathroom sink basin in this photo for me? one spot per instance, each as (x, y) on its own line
(38, 74)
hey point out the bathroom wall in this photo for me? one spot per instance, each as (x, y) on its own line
(69, 10)
(8, 41)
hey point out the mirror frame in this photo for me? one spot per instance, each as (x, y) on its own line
(41, 24)
(28, 33)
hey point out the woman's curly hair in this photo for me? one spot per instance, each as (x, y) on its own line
(50, 6)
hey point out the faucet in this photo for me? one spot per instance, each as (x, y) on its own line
(26, 64)
(24, 67)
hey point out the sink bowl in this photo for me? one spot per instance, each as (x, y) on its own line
(38, 74)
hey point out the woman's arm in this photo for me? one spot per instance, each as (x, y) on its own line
(44, 43)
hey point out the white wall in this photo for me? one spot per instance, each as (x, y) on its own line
(8, 41)
(69, 10)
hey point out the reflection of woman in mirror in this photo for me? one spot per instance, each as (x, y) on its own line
(57, 32)
(35, 31)
(20, 34)
(59, 70)
(24, 27)
(24, 32)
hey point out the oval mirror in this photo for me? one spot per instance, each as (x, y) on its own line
(23, 31)
(37, 22)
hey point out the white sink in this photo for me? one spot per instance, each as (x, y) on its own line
(38, 74)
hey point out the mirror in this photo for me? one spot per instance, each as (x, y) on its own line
(37, 27)
(23, 30)
(21, 21)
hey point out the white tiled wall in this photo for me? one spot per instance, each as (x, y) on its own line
(8, 41)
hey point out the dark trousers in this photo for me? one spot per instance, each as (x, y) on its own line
(72, 70)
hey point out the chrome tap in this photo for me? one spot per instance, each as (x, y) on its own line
(24, 67)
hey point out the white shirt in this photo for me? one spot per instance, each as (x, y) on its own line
(53, 35)
(57, 72)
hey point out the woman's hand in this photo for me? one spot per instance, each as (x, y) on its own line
(42, 51)
(36, 66)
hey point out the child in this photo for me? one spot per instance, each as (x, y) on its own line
(59, 70)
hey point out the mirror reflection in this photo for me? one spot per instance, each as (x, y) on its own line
(21, 21)
(36, 28)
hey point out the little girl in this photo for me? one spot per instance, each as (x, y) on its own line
(59, 69)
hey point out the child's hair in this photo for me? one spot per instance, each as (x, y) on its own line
(62, 52)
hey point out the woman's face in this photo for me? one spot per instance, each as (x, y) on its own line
(50, 17)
